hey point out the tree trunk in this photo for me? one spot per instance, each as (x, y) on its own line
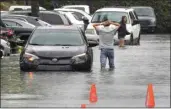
(35, 8)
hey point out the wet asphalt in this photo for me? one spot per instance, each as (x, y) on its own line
(126, 86)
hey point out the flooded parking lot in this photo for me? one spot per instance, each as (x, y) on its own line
(126, 86)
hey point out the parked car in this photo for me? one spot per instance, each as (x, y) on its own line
(32, 20)
(79, 13)
(74, 19)
(5, 49)
(57, 48)
(17, 23)
(115, 14)
(4, 12)
(84, 8)
(53, 18)
(147, 18)
(19, 7)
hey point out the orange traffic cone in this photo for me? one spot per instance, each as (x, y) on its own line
(93, 94)
(83, 105)
(150, 102)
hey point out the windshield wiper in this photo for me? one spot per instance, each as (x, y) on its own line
(64, 45)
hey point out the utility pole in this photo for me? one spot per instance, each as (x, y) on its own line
(35, 8)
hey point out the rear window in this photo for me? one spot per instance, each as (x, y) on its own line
(33, 21)
(144, 12)
(53, 19)
(57, 37)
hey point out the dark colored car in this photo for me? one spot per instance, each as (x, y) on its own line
(53, 18)
(19, 30)
(146, 17)
(57, 48)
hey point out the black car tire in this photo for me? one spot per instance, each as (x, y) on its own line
(87, 67)
(1, 54)
(23, 67)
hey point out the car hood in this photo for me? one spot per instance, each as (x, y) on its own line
(146, 18)
(56, 51)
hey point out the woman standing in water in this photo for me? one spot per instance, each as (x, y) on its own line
(122, 31)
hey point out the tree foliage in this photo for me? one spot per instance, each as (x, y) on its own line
(162, 8)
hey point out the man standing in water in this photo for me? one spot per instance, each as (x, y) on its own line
(106, 31)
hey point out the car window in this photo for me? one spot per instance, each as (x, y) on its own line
(76, 17)
(51, 18)
(116, 16)
(12, 24)
(79, 15)
(57, 37)
(132, 16)
(33, 21)
(67, 19)
(135, 15)
(144, 12)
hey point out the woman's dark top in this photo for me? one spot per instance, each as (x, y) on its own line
(122, 31)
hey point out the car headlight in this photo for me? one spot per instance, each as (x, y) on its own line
(30, 57)
(90, 31)
(79, 58)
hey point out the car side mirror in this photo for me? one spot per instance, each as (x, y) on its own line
(92, 43)
(85, 20)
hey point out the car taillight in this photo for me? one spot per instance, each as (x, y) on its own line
(10, 32)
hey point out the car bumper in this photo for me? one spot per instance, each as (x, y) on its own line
(37, 65)
(92, 37)
(116, 40)
(148, 27)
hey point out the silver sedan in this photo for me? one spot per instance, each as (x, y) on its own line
(17, 23)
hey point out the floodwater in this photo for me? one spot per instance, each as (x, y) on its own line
(126, 86)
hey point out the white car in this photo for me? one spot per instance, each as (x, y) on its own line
(73, 19)
(115, 14)
(79, 13)
(5, 49)
(12, 8)
(84, 8)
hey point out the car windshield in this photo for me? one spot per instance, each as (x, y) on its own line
(144, 12)
(115, 16)
(56, 37)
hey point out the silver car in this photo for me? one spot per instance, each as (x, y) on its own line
(17, 23)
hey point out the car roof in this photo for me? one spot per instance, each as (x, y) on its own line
(67, 27)
(120, 9)
(64, 9)
(17, 15)
(141, 7)
(29, 11)
(75, 6)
